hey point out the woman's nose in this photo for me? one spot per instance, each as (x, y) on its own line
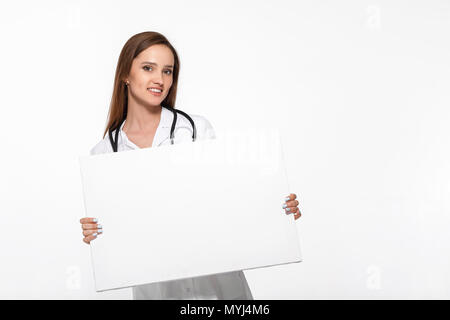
(158, 80)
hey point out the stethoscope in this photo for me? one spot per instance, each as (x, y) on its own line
(172, 128)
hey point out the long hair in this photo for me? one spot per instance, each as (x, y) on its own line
(133, 47)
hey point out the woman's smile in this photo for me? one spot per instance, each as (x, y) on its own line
(155, 92)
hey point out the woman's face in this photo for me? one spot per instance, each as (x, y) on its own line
(152, 68)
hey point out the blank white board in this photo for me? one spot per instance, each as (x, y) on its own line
(188, 210)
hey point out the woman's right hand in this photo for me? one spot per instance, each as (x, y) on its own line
(90, 229)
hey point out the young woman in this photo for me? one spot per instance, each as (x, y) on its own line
(140, 116)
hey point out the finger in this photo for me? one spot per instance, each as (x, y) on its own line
(91, 226)
(292, 203)
(88, 239)
(290, 210)
(297, 215)
(292, 196)
(89, 232)
(88, 220)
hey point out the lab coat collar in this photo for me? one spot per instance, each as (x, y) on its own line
(166, 118)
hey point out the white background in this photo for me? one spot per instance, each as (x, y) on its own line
(359, 88)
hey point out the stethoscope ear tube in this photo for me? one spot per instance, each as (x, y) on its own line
(114, 142)
(172, 128)
(194, 129)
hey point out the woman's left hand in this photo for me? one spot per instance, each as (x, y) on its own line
(291, 206)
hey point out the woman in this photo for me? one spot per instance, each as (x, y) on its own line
(140, 116)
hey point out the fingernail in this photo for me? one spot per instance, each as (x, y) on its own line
(99, 226)
(95, 220)
(284, 206)
(94, 234)
(287, 199)
(100, 231)
(288, 209)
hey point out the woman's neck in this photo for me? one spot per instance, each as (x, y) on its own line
(142, 119)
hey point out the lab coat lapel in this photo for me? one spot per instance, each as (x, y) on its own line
(163, 131)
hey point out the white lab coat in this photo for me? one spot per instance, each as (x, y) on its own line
(230, 285)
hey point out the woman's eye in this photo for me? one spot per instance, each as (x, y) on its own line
(146, 68)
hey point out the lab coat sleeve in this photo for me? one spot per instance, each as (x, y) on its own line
(205, 130)
(209, 131)
(102, 147)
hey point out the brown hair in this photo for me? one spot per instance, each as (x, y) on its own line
(135, 45)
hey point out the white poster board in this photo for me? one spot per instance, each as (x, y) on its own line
(188, 210)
